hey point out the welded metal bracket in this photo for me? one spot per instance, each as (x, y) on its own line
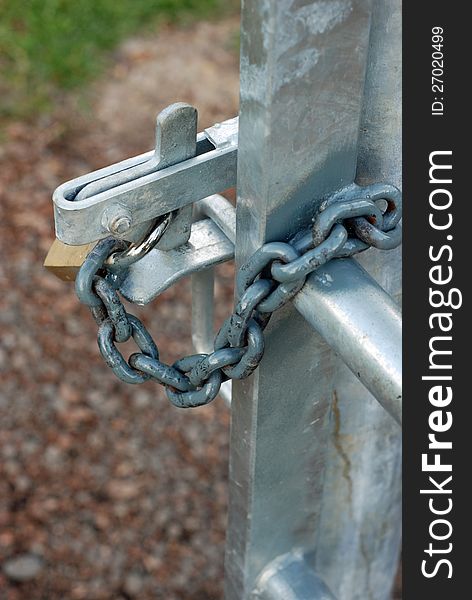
(211, 243)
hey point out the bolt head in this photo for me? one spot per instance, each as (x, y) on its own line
(119, 223)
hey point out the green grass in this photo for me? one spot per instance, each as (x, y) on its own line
(52, 45)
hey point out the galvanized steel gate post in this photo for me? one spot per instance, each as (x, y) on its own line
(315, 461)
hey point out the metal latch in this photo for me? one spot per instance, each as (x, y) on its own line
(122, 198)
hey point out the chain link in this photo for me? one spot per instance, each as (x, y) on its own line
(272, 276)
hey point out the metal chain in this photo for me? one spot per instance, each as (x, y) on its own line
(267, 281)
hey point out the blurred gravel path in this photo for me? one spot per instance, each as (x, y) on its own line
(106, 491)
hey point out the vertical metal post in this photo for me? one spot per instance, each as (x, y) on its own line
(203, 284)
(203, 289)
(360, 528)
(302, 76)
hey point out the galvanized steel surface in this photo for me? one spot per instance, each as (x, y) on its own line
(291, 578)
(361, 323)
(361, 508)
(211, 242)
(207, 246)
(149, 196)
(302, 72)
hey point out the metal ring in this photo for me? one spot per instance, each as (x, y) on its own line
(115, 360)
(257, 263)
(238, 321)
(99, 313)
(211, 362)
(280, 296)
(253, 355)
(193, 398)
(303, 241)
(114, 307)
(136, 251)
(262, 319)
(383, 240)
(259, 260)
(352, 246)
(393, 196)
(311, 260)
(164, 374)
(326, 219)
(92, 264)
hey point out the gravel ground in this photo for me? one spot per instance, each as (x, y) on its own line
(106, 490)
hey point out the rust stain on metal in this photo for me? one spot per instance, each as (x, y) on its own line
(339, 447)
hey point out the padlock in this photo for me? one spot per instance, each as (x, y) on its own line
(64, 261)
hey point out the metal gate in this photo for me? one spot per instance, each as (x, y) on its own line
(315, 466)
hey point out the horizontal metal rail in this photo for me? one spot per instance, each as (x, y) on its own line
(290, 577)
(361, 323)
